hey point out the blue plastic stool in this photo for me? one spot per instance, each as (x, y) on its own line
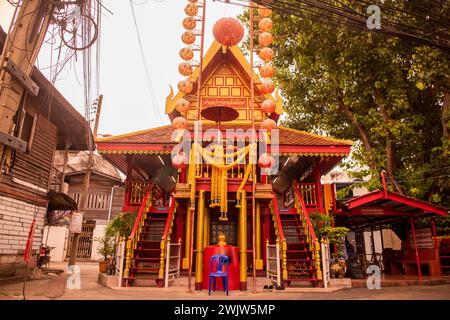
(218, 260)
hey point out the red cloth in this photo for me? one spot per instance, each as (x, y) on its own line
(233, 266)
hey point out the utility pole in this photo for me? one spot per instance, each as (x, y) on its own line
(20, 51)
(87, 178)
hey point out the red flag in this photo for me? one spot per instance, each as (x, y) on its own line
(29, 246)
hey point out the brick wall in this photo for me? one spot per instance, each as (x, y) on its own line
(15, 220)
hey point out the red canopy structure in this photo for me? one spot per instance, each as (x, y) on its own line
(383, 208)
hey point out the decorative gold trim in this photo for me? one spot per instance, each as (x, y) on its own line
(151, 152)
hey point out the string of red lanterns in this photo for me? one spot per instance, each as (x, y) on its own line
(266, 71)
(186, 69)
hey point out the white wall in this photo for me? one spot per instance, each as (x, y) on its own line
(57, 237)
(16, 218)
(99, 231)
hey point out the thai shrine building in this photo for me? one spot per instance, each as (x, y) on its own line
(224, 167)
(221, 191)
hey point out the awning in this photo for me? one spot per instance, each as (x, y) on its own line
(60, 201)
(381, 207)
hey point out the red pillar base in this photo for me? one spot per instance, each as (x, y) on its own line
(243, 286)
(198, 285)
(160, 283)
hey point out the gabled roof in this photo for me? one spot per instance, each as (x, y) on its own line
(396, 202)
(215, 52)
(383, 208)
(162, 136)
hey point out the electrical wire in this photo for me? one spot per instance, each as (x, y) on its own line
(430, 27)
(155, 106)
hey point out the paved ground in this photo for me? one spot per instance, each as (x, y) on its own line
(54, 287)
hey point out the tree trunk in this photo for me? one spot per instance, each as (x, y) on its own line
(391, 164)
(361, 130)
(446, 115)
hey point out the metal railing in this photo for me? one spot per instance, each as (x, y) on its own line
(273, 266)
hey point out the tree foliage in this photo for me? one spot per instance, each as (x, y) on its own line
(389, 95)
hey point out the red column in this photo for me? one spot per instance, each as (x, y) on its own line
(413, 231)
(319, 197)
(265, 215)
(128, 181)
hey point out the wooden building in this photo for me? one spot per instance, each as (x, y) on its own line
(105, 200)
(47, 122)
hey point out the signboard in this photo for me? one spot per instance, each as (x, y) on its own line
(76, 222)
(424, 238)
(372, 211)
(229, 102)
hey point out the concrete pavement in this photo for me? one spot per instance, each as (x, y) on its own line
(54, 287)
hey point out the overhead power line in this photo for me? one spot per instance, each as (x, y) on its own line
(155, 106)
(429, 25)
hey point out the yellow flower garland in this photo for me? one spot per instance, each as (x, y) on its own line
(219, 173)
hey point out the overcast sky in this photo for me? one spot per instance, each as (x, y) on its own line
(127, 104)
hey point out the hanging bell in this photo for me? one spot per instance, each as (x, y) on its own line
(238, 203)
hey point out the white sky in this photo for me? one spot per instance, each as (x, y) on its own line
(127, 104)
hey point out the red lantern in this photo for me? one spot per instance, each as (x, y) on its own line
(188, 37)
(189, 23)
(264, 12)
(265, 39)
(265, 24)
(267, 86)
(266, 161)
(186, 54)
(266, 71)
(185, 86)
(268, 124)
(193, 1)
(185, 69)
(182, 105)
(266, 54)
(180, 160)
(191, 9)
(179, 123)
(268, 106)
(228, 31)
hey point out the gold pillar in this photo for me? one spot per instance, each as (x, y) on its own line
(206, 228)
(243, 241)
(259, 261)
(187, 236)
(199, 241)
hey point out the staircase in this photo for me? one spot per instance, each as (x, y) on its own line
(300, 250)
(146, 263)
(300, 267)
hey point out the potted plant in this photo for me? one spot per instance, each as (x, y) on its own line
(106, 250)
(122, 225)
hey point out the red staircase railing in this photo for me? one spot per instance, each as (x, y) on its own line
(166, 238)
(132, 241)
(281, 238)
(310, 233)
(140, 213)
(305, 213)
(277, 218)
